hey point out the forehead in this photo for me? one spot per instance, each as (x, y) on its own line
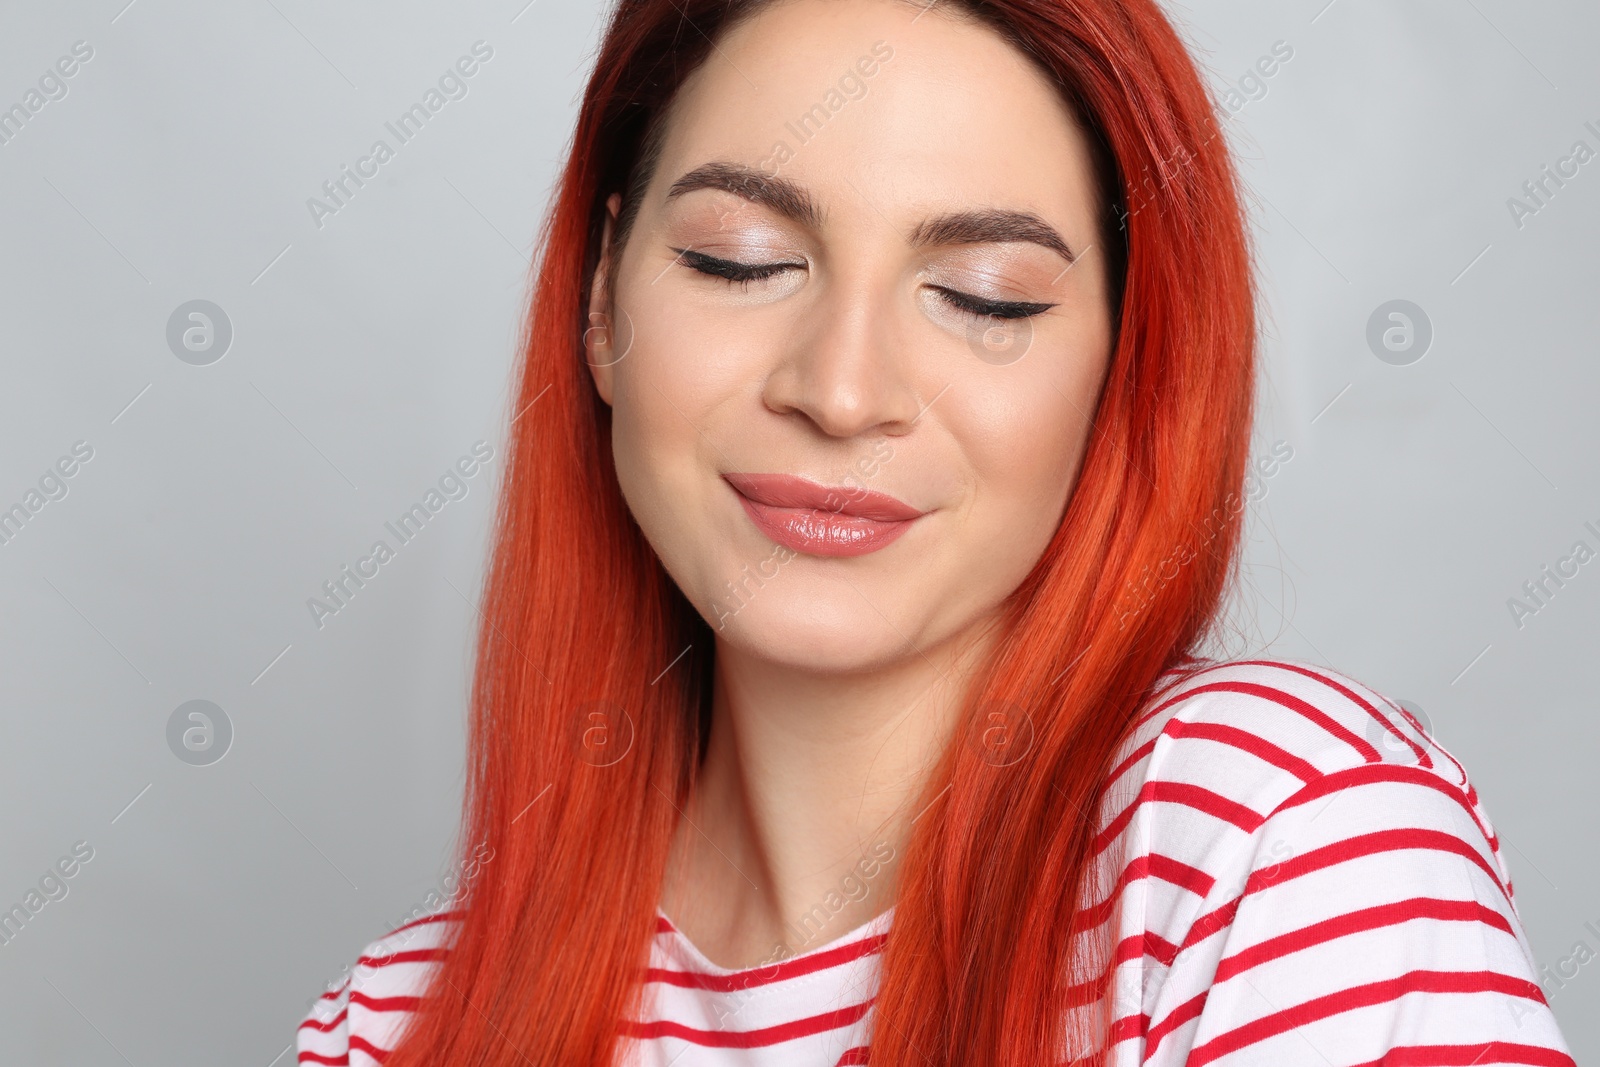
(906, 110)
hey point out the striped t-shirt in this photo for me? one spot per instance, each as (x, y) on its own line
(1296, 874)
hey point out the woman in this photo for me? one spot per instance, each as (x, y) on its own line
(875, 473)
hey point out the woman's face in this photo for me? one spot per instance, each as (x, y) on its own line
(864, 283)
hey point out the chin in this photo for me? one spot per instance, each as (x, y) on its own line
(828, 633)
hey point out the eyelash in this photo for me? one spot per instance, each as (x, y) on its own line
(743, 274)
(990, 309)
(731, 271)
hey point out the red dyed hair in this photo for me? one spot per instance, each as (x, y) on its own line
(996, 949)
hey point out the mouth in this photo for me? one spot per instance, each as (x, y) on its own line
(818, 520)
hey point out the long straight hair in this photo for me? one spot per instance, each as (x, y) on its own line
(591, 694)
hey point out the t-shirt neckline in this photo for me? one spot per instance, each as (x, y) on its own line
(875, 925)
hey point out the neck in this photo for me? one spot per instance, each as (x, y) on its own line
(801, 811)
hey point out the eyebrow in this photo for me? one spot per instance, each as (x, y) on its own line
(991, 224)
(782, 195)
(979, 226)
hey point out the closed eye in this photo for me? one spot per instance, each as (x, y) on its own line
(733, 270)
(994, 309)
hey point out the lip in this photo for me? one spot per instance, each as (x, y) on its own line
(820, 520)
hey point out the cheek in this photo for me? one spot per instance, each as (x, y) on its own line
(685, 392)
(656, 404)
(1025, 434)
(1024, 451)
(672, 400)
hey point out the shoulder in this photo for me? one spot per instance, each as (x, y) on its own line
(1222, 749)
(1259, 731)
(1304, 719)
(1279, 826)
(363, 1010)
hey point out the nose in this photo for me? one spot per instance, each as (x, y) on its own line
(845, 369)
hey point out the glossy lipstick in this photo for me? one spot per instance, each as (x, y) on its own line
(806, 517)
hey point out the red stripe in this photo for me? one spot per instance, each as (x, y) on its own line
(437, 917)
(1173, 727)
(1460, 770)
(1180, 874)
(1320, 933)
(1306, 709)
(1183, 1013)
(1153, 866)
(1211, 922)
(1361, 996)
(416, 955)
(770, 1035)
(1129, 948)
(341, 1060)
(1191, 796)
(778, 972)
(1372, 773)
(1422, 756)
(1133, 757)
(1281, 698)
(1367, 845)
(1113, 829)
(1177, 697)
(1257, 746)
(1133, 947)
(857, 1055)
(312, 1024)
(1357, 922)
(1127, 1027)
(1212, 803)
(1159, 948)
(1331, 855)
(361, 1044)
(385, 1003)
(1247, 742)
(1147, 944)
(1349, 694)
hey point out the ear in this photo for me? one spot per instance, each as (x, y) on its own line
(600, 338)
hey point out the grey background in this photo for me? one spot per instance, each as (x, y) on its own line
(369, 354)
